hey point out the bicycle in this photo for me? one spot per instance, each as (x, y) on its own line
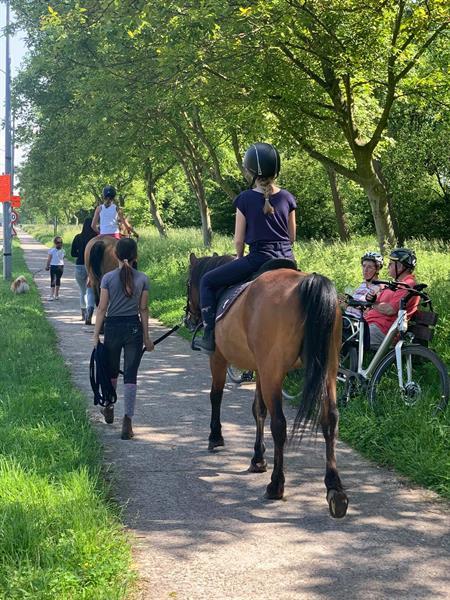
(410, 371)
(239, 375)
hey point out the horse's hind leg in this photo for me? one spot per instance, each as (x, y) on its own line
(258, 463)
(218, 367)
(271, 392)
(336, 497)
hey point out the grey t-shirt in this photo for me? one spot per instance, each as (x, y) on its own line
(119, 304)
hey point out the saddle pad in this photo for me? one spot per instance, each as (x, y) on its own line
(228, 297)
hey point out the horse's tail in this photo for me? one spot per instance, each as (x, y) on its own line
(95, 261)
(318, 303)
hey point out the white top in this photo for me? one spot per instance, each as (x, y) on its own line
(109, 222)
(57, 255)
(360, 294)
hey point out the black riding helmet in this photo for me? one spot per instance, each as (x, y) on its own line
(109, 192)
(262, 160)
(405, 257)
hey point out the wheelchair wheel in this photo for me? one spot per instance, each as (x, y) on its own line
(347, 383)
(293, 385)
(425, 381)
(238, 375)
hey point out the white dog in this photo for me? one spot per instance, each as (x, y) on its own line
(20, 285)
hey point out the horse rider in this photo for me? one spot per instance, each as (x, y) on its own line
(265, 221)
(109, 218)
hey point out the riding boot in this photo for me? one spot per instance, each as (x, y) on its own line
(207, 342)
(83, 314)
(89, 313)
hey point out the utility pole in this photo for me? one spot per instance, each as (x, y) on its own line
(7, 237)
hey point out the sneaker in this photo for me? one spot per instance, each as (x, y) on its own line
(56, 297)
(51, 299)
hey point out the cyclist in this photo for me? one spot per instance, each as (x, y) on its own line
(371, 263)
(380, 317)
(265, 220)
(109, 218)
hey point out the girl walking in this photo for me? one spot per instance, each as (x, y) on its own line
(265, 221)
(55, 264)
(79, 243)
(123, 307)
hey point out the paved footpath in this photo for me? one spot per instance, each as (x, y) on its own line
(198, 521)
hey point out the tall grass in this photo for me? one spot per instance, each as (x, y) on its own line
(60, 535)
(416, 446)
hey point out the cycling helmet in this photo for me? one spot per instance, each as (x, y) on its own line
(374, 257)
(262, 160)
(109, 192)
(404, 256)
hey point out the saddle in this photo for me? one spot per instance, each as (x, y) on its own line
(228, 296)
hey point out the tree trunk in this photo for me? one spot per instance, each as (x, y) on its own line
(379, 171)
(150, 183)
(194, 178)
(377, 195)
(338, 205)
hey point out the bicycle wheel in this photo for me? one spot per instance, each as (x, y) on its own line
(238, 375)
(293, 385)
(425, 381)
(347, 384)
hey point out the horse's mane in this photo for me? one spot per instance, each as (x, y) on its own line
(205, 264)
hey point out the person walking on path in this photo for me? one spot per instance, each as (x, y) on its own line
(265, 220)
(79, 243)
(55, 264)
(123, 307)
(109, 218)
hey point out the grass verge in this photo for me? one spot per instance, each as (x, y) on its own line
(405, 439)
(60, 535)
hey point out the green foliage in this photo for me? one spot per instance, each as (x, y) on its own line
(60, 535)
(109, 90)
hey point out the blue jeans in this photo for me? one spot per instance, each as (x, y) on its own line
(86, 293)
(236, 271)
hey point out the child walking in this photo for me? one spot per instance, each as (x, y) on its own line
(123, 307)
(55, 264)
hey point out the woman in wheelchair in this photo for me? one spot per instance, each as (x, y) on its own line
(383, 313)
(371, 264)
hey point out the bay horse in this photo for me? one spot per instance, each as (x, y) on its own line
(100, 258)
(282, 319)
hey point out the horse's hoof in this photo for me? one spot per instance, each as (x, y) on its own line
(337, 503)
(259, 467)
(213, 444)
(273, 493)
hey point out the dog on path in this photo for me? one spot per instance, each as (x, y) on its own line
(20, 285)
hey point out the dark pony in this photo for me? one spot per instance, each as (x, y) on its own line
(284, 318)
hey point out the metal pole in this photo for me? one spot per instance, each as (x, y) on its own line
(7, 237)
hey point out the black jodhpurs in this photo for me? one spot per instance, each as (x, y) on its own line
(126, 333)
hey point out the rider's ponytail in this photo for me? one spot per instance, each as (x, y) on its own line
(126, 251)
(267, 186)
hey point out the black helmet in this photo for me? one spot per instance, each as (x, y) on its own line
(404, 256)
(262, 160)
(374, 257)
(109, 192)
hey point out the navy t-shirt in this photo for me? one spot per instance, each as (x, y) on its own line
(261, 227)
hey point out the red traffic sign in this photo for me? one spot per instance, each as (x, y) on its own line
(14, 217)
(15, 201)
(5, 188)
(13, 231)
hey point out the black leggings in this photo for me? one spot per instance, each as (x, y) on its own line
(126, 333)
(56, 272)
